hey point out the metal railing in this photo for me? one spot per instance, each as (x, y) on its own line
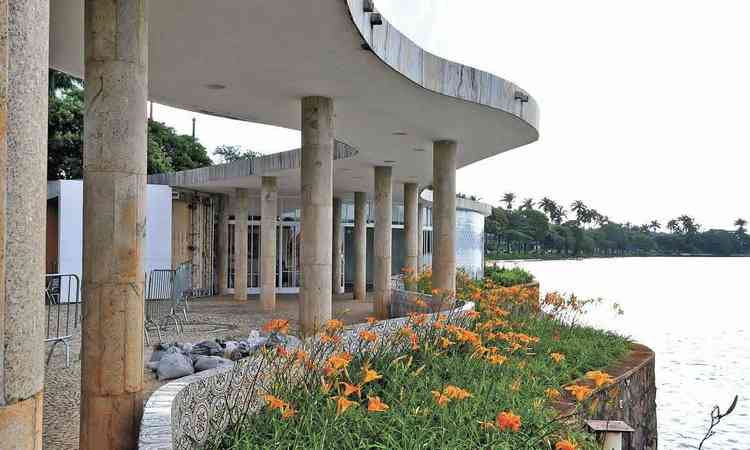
(166, 299)
(62, 298)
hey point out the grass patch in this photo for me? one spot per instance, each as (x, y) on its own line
(441, 384)
(507, 277)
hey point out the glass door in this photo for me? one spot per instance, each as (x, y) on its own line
(288, 265)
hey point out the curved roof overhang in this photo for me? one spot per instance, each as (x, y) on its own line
(254, 60)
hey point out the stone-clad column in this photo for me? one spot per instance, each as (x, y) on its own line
(411, 226)
(317, 210)
(444, 216)
(337, 248)
(24, 53)
(114, 222)
(241, 212)
(420, 237)
(360, 246)
(269, 211)
(383, 238)
(221, 245)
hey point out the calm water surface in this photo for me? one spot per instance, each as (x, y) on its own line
(695, 313)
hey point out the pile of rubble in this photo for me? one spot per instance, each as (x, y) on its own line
(177, 360)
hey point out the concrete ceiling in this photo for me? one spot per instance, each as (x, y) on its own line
(254, 60)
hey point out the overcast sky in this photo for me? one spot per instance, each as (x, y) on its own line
(643, 103)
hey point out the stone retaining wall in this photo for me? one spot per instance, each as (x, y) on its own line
(631, 398)
(194, 412)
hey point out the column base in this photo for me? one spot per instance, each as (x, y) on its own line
(113, 421)
(21, 423)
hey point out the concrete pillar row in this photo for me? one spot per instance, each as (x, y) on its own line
(411, 227)
(317, 210)
(337, 249)
(269, 211)
(383, 239)
(24, 53)
(241, 213)
(420, 237)
(114, 222)
(360, 246)
(444, 216)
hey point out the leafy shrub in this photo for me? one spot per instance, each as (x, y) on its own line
(507, 277)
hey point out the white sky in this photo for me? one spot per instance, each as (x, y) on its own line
(643, 103)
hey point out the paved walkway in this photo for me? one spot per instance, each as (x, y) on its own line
(210, 318)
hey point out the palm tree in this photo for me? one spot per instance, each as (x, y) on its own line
(654, 226)
(548, 206)
(740, 224)
(558, 214)
(689, 225)
(674, 226)
(527, 204)
(509, 198)
(581, 210)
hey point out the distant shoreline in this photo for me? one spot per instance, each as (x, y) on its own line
(537, 258)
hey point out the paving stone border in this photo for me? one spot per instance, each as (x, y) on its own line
(194, 411)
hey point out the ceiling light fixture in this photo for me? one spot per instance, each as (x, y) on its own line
(400, 133)
(215, 86)
(418, 150)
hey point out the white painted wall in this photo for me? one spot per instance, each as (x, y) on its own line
(158, 243)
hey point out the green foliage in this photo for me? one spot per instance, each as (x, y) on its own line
(507, 277)
(411, 375)
(526, 232)
(231, 153)
(167, 151)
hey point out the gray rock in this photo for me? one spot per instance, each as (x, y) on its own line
(174, 365)
(208, 348)
(152, 365)
(186, 347)
(210, 362)
(276, 339)
(254, 335)
(229, 347)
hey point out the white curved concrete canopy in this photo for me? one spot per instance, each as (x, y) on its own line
(269, 54)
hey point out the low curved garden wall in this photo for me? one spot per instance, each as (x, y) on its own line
(631, 399)
(195, 411)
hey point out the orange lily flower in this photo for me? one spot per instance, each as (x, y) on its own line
(566, 445)
(274, 402)
(456, 393)
(368, 336)
(278, 325)
(600, 378)
(342, 404)
(369, 375)
(557, 357)
(445, 343)
(371, 320)
(552, 394)
(440, 398)
(334, 325)
(288, 412)
(340, 360)
(350, 389)
(496, 360)
(509, 421)
(374, 404)
(581, 393)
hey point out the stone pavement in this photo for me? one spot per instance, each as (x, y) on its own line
(210, 318)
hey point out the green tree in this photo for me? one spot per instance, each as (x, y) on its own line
(231, 153)
(65, 128)
(508, 199)
(183, 152)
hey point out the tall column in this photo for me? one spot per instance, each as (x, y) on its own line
(241, 212)
(420, 237)
(317, 210)
(411, 226)
(222, 249)
(444, 216)
(337, 248)
(382, 244)
(269, 211)
(24, 52)
(114, 222)
(360, 246)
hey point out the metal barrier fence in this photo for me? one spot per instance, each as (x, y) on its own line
(62, 298)
(166, 299)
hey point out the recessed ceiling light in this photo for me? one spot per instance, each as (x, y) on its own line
(389, 161)
(215, 86)
(400, 133)
(418, 149)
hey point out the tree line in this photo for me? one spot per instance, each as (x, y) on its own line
(168, 151)
(545, 228)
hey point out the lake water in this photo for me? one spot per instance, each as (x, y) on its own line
(695, 314)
